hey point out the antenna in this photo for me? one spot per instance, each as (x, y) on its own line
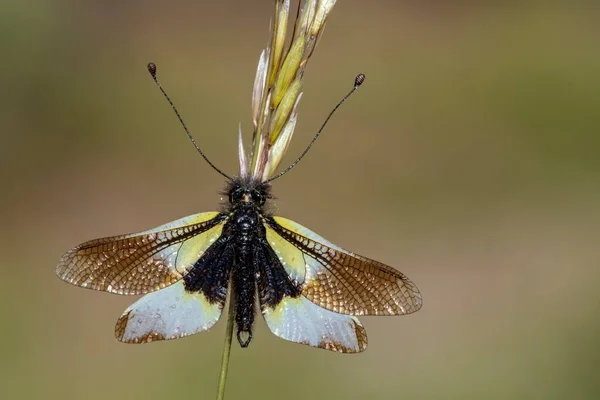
(152, 70)
(360, 78)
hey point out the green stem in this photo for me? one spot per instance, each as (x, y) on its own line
(226, 352)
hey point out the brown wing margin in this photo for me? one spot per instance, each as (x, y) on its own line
(137, 263)
(347, 283)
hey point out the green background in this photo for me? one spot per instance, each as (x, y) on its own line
(468, 160)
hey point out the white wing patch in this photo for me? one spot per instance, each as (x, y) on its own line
(169, 313)
(299, 320)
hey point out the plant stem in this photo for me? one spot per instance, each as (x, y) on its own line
(226, 352)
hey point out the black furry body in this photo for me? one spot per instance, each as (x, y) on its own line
(242, 259)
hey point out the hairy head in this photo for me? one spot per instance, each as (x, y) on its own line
(247, 192)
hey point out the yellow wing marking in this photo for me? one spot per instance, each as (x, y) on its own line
(141, 262)
(344, 282)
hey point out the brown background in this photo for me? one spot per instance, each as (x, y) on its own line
(468, 160)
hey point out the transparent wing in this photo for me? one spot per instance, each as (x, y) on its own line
(141, 262)
(170, 313)
(339, 280)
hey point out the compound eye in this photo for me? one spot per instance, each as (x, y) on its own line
(236, 195)
(257, 197)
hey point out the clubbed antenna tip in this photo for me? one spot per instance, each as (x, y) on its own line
(152, 69)
(360, 78)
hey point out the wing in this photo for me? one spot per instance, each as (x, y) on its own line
(192, 305)
(339, 280)
(301, 321)
(293, 317)
(141, 262)
(170, 313)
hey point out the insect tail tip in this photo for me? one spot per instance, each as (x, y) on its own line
(244, 337)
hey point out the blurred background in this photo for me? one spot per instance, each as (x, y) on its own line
(468, 160)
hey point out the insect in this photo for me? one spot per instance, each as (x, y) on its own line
(309, 290)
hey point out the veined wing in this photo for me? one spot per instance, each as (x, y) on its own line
(192, 305)
(339, 280)
(293, 317)
(141, 262)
